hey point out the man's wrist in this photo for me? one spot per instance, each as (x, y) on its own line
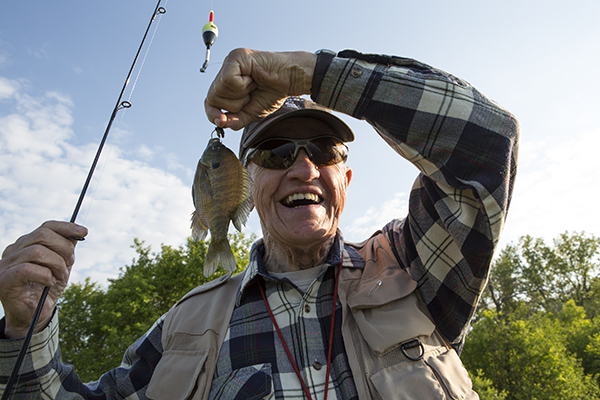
(302, 72)
(6, 333)
(10, 334)
(324, 59)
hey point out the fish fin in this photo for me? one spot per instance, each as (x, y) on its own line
(218, 251)
(199, 228)
(202, 180)
(243, 211)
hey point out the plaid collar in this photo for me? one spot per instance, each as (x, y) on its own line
(256, 266)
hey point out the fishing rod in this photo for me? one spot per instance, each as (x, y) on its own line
(120, 105)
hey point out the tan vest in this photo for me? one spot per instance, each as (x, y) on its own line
(393, 347)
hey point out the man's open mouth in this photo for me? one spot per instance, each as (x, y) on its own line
(301, 199)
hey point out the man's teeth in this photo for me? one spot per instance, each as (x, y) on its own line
(307, 197)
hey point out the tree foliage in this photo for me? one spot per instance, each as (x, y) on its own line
(98, 324)
(530, 358)
(547, 277)
(485, 387)
(537, 331)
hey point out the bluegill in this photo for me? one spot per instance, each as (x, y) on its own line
(221, 193)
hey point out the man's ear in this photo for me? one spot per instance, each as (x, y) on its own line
(348, 175)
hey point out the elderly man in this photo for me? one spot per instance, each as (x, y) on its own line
(312, 316)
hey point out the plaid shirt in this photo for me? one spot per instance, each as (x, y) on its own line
(465, 146)
(252, 347)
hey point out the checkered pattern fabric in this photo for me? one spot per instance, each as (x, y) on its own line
(465, 147)
(304, 320)
(44, 376)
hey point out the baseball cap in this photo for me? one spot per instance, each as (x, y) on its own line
(293, 106)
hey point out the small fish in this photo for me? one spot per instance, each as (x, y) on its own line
(221, 193)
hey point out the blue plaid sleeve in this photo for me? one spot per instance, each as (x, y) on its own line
(43, 374)
(465, 147)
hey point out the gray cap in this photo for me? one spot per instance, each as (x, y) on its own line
(292, 107)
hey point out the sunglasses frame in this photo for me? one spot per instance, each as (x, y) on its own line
(299, 144)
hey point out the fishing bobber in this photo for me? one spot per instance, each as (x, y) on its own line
(209, 35)
(210, 31)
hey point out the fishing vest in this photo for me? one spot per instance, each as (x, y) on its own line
(393, 347)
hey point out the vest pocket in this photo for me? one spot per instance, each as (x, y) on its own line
(386, 326)
(179, 372)
(249, 383)
(436, 376)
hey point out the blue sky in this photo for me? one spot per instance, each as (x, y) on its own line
(63, 63)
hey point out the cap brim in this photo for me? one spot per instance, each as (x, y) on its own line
(339, 127)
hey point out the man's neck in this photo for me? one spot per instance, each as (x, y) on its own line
(283, 258)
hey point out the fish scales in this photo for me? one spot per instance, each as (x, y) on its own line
(221, 193)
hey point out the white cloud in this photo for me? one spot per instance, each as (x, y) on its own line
(8, 87)
(41, 175)
(558, 186)
(145, 152)
(172, 161)
(41, 53)
(377, 216)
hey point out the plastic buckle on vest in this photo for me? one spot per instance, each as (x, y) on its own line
(412, 344)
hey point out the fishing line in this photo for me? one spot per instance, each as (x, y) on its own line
(120, 121)
(145, 56)
(120, 105)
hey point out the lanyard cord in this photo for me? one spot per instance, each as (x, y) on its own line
(287, 350)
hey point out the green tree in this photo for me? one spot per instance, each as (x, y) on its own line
(77, 309)
(97, 325)
(580, 333)
(536, 334)
(546, 277)
(485, 387)
(527, 358)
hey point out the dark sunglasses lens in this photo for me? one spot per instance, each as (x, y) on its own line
(327, 151)
(279, 153)
(274, 154)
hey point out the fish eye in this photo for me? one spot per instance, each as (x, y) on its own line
(215, 165)
(215, 147)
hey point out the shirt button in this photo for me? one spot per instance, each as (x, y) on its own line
(317, 365)
(307, 308)
(356, 72)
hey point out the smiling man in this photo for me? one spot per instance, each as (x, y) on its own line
(313, 316)
(300, 181)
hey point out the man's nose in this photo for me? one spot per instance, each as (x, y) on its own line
(303, 168)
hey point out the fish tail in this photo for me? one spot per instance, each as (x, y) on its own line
(219, 251)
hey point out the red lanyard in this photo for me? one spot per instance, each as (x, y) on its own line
(287, 350)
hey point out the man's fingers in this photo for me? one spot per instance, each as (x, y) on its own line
(231, 87)
(58, 236)
(66, 229)
(43, 257)
(29, 273)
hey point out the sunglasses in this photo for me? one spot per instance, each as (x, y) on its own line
(281, 153)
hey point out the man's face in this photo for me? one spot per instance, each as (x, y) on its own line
(275, 192)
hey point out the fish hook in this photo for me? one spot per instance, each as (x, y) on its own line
(220, 132)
